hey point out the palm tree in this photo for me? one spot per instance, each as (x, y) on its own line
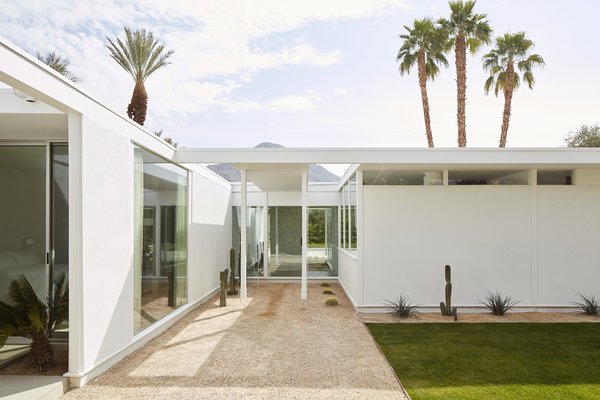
(58, 63)
(511, 51)
(140, 55)
(28, 316)
(423, 45)
(465, 30)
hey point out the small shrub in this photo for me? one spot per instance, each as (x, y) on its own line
(402, 308)
(498, 304)
(332, 301)
(589, 304)
(328, 291)
(325, 284)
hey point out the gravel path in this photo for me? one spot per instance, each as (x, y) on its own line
(272, 349)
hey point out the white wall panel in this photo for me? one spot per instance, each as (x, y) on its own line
(209, 235)
(569, 243)
(410, 233)
(350, 276)
(107, 213)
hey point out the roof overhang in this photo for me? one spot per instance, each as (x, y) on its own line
(275, 177)
(406, 158)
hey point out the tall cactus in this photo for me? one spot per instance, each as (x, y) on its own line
(446, 308)
(232, 290)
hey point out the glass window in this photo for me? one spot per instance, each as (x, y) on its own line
(491, 177)
(348, 196)
(322, 241)
(393, 177)
(553, 177)
(255, 254)
(160, 221)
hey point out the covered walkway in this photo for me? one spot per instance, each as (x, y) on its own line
(272, 348)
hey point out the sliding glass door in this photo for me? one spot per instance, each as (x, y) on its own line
(23, 174)
(34, 215)
(59, 216)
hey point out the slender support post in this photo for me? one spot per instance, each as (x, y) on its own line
(266, 235)
(76, 277)
(304, 287)
(244, 239)
(277, 237)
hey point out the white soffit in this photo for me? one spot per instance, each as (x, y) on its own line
(33, 126)
(275, 177)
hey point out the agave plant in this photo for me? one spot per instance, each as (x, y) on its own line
(588, 304)
(498, 304)
(401, 307)
(25, 315)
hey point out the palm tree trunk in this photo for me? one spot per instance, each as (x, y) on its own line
(139, 104)
(424, 98)
(42, 354)
(508, 93)
(460, 50)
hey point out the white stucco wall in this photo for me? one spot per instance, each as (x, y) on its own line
(107, 242)
(106, 266)
(569, 243)
(209, 233)
(488, 234)
(350, 276)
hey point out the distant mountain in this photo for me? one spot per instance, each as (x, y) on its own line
(316, 173)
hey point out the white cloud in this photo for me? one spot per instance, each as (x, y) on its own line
(219, 45)
(340, 91)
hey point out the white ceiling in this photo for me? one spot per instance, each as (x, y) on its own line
(276, 177)
(33, 126)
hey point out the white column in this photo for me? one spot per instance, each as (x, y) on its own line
(359, 232)
(534, 237)
(304, 287)
(76, 296)
(244, 239)
(277, 236)
(266, 235)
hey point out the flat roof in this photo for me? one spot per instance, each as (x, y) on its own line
(406, 158)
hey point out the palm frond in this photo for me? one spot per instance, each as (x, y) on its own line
(22, 294)
(464, 22)
(140, 54)
(58, 301)
(426, 38)
(58, 63)
(512, 50)
(489, 83)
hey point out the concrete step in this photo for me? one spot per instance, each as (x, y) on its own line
(31, 387)
(11, 352)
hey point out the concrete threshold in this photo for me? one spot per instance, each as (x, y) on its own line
(32, 387)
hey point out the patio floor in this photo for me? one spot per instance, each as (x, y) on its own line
(271, 349)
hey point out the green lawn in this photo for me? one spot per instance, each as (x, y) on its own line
(494, 361)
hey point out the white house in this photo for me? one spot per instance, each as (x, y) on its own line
(142, 229)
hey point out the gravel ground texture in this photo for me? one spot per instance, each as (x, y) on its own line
(269, 349)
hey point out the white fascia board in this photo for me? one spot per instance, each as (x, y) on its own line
(347, 175)
(396, 156)
(24, 72)
(313, 187)
(208, 174)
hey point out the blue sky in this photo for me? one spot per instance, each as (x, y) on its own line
(318, 73)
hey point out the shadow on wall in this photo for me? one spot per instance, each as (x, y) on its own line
(210, 201)
(119, 330)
